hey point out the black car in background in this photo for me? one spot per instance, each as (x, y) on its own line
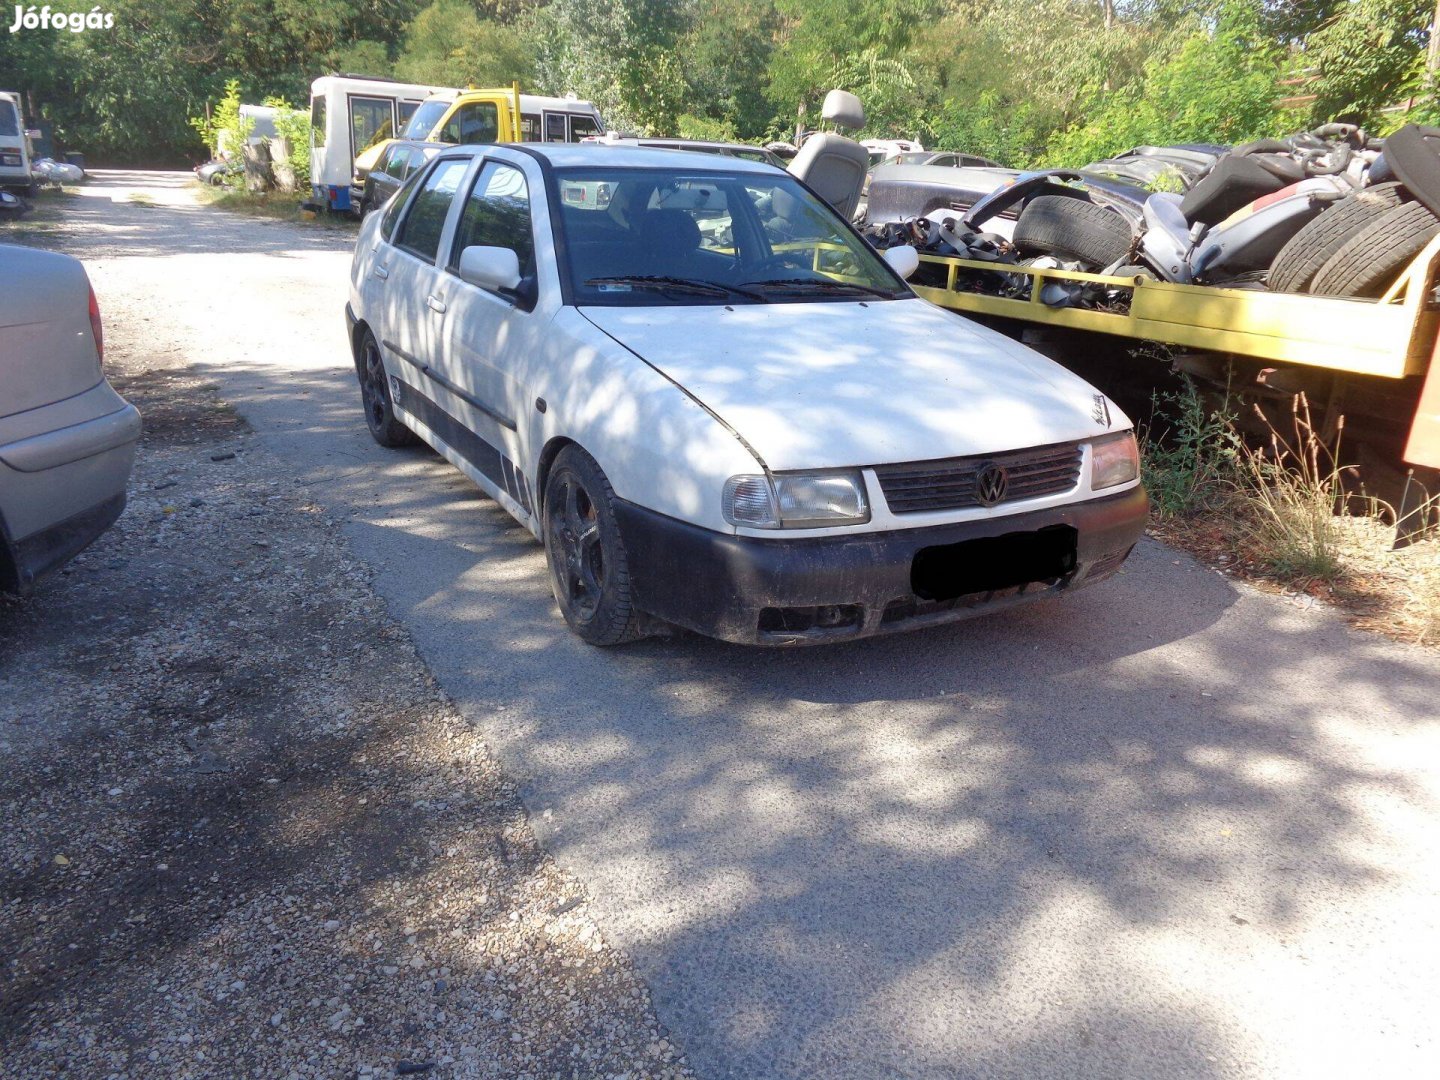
(400, 159)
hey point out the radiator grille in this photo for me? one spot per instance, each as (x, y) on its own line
(950, 483)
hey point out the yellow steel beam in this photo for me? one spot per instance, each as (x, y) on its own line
(1391, 338)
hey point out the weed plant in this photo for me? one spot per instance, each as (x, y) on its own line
(1191, 464)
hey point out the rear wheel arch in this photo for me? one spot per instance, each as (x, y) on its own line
(357, 337)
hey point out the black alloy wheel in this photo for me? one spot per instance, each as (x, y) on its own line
(588, 567)
(375, 396)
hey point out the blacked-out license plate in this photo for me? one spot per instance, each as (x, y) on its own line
(994, 562)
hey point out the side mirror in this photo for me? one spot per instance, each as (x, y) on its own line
(494, 268)
(904, 260)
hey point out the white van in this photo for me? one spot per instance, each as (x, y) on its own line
(348, 114)
(14, 145)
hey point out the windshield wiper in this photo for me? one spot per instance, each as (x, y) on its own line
(821, 285)
(698, 286)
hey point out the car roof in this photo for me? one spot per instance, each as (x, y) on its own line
(569, 155)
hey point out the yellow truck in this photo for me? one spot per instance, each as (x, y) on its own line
(488, 116)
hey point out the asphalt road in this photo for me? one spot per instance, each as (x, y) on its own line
(1167, 827)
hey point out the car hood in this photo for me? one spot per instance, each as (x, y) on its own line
(829, 385)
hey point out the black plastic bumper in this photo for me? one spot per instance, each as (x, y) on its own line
(800, 591)
(24, 562)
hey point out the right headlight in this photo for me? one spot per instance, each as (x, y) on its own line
(1114, 460)
(796, 500)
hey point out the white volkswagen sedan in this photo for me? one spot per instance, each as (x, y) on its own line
(717, 407)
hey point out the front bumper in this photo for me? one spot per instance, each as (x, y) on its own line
(816, 589)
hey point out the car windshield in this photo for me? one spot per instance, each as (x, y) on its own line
(425, 118)
(672, 236)
(9, 120)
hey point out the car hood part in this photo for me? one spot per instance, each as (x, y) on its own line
(831, 385)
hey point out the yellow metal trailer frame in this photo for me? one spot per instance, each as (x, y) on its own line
(1391, 338)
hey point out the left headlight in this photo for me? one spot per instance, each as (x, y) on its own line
(1114, 460)
(796, 500)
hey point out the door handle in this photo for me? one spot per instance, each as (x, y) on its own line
(381, 272)
(434, 303)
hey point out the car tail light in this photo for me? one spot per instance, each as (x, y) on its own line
(95, 327)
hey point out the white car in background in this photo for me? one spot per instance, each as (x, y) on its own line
(718, 407)
(67, 439)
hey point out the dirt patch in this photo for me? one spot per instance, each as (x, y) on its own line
(1387, 591)
(246, 834)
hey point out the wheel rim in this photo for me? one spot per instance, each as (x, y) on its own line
(373, 391)
(579, 556)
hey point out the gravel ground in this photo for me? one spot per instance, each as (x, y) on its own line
(246, 835)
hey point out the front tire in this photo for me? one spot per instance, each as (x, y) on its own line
(375, 396)
(589, 571)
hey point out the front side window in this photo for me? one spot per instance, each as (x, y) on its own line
(371, 120)
(670, 236)
(425, 118)
(420, 231)
(497, 214)
(317, 120)
(474, 123)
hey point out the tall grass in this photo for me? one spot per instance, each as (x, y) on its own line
(1292, 493)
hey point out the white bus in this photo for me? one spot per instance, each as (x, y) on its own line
(349, 113)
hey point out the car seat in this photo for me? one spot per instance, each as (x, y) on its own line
(669, 239)
(1237, 179)
(835, 166)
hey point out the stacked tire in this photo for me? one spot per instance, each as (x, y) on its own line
(1358, 247)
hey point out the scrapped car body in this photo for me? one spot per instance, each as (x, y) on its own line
(67, 439)
(398, 163)
(898, 192)
(716, 406)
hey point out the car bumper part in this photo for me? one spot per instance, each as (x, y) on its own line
(61, 484)
(24, 562)
(808, 590)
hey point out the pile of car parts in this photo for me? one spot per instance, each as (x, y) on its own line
(1329, 212)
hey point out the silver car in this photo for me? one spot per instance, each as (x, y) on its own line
(67, 439)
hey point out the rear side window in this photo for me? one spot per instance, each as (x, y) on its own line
(9, 119)
(420, 231)
(497, 214)
(529, 127)
(396, 205)
(317, 120)
(474, 123)
(555, 127)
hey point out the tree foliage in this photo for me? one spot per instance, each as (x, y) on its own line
(1036, 80)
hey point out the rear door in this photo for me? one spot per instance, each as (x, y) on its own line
(404, 278)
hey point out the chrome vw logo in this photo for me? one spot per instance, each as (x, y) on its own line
(990, 484)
